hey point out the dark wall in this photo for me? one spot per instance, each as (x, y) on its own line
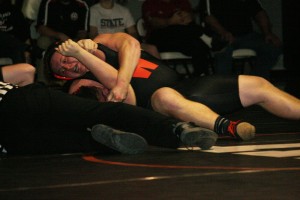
(291, 41)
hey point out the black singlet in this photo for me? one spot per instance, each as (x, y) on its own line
(220, 93)
(149, 75)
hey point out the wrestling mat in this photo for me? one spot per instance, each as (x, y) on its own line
(267, 167)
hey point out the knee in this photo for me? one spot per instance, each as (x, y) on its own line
(259, 82)
(163, 99)
(252, 82)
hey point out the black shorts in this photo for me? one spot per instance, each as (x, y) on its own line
(220, 93)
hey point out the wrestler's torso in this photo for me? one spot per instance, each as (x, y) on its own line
(149, 75)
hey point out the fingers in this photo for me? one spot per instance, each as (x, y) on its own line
(68, 48)
(88, 45)
(112, 98)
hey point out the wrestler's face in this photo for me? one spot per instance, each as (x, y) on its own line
(67, 66)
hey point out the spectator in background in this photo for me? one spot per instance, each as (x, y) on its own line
(14, 33)
(171, 27)
(107, 16)
(30, 10)
(231, 22)
(59, 20)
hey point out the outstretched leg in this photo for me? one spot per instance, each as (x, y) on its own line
(258, 91)
(171, 103)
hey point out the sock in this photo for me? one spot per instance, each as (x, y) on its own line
(221, 126)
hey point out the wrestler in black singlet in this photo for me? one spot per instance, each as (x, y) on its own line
(220, 93)
(147, 78)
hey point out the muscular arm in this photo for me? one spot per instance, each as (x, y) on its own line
(104, 72)
(129, 52)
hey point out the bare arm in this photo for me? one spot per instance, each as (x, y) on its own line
(129, 52)
(104, 72)
(49, 32)
(264, 23)
(178, 18)
(132, 31)
(216, 26)
(20, 74)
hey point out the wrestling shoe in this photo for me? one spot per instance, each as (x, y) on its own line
(241, 130)
(123, 142)
(192, 135)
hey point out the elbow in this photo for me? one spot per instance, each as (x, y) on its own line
(133, 42)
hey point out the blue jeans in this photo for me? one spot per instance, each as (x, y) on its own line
(267, 55)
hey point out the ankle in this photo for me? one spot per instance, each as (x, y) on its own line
(221, 126)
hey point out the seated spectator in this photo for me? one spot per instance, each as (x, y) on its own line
(107, 16)
(231, 22)
(14, 33)
(171, 27)
(59, 20)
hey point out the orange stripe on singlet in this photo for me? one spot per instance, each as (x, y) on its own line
(144, 69)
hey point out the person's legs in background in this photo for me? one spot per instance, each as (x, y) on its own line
(266, 54)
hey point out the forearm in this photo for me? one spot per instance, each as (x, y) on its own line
(49, 32)
(263, 22)
(129, 52)
(129, 55)
(104, 72)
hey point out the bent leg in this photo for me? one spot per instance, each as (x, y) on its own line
(258, 91)
(171, 103)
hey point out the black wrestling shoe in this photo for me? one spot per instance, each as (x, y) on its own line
(192, 135)
(240, 130)
(123, 142)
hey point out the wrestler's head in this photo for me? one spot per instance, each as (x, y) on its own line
(63, 67)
